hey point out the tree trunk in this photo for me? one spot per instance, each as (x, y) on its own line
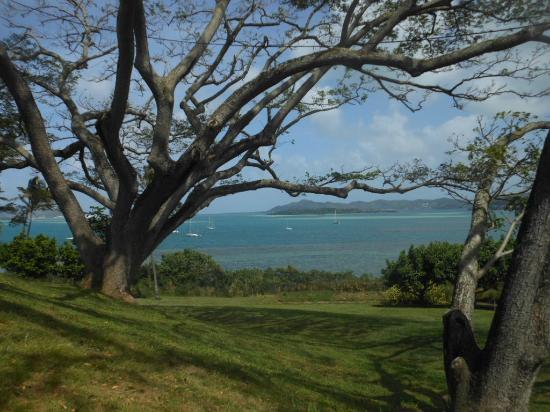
(28, 221)
(468, 268)
(116, 275)
(500, 377)
(111, 273)
(155, 280)
(29, 224)
(122, 260)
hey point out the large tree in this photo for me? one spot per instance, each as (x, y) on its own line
(201, 93)
(500, 376)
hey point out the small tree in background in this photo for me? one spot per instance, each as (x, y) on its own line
(498, 164)
(36, 196)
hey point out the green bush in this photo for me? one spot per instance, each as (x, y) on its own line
(426, 273)
(246, 282)
(70, 266)
(394, 296)
(32, 257)
(100, 222)
(491, 296)
(194, 273)
(190, 272)
(421, 267)
(495, 276)
(39, 257)
(438, 294)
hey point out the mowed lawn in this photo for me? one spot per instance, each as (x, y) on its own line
(63, 348)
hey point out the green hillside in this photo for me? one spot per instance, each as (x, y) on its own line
(62, 348)
(380, 205)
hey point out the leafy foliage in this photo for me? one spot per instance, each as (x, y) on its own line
(499, 160)
(193, 273)
(70, 265)
(421, 267)
(40, 257)
(33, 257)
(184, 272)
(99, 221)
(422, 274)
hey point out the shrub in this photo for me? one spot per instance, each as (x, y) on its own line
(427, 272)
(33, 257)
(246, 282)
(70, 266)
(495, 276)
(194, 273)
(39, 257)
(438, 295)
(188, 271)
(394, 296)
(100, 222)
(491, 296)
(416, 270)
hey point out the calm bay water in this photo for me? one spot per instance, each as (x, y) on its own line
(360, 243)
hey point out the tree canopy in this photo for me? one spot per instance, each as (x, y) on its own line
(201, 94)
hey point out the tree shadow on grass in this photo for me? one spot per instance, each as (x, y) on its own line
(299, 327)
(62, 302)
(350, 331)
(372, 335)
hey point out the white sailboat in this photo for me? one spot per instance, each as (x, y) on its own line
(336, 221)
(211, 225)
(288, 227)
(190, 233)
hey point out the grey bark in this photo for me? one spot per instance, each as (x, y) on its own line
(500, 377)
(29, 220)
(468, 270)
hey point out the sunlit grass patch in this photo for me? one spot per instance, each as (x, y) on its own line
(62, 348)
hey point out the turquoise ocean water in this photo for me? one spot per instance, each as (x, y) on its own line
(359, 243)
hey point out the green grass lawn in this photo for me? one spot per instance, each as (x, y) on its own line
(62, 348)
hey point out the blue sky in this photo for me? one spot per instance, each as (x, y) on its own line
(379, 132)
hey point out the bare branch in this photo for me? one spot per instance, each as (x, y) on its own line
(45, 158)
(501, 251)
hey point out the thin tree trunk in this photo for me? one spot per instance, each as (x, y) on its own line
(154, 269)
(468, 268)
(500, 377)
(29, 221)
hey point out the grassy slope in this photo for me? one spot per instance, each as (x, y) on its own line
(64, 348)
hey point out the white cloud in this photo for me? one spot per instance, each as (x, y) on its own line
(96, 90)
(387, 138)
(330, 122)
(392, 137)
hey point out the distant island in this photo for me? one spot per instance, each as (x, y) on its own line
(303, 207)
